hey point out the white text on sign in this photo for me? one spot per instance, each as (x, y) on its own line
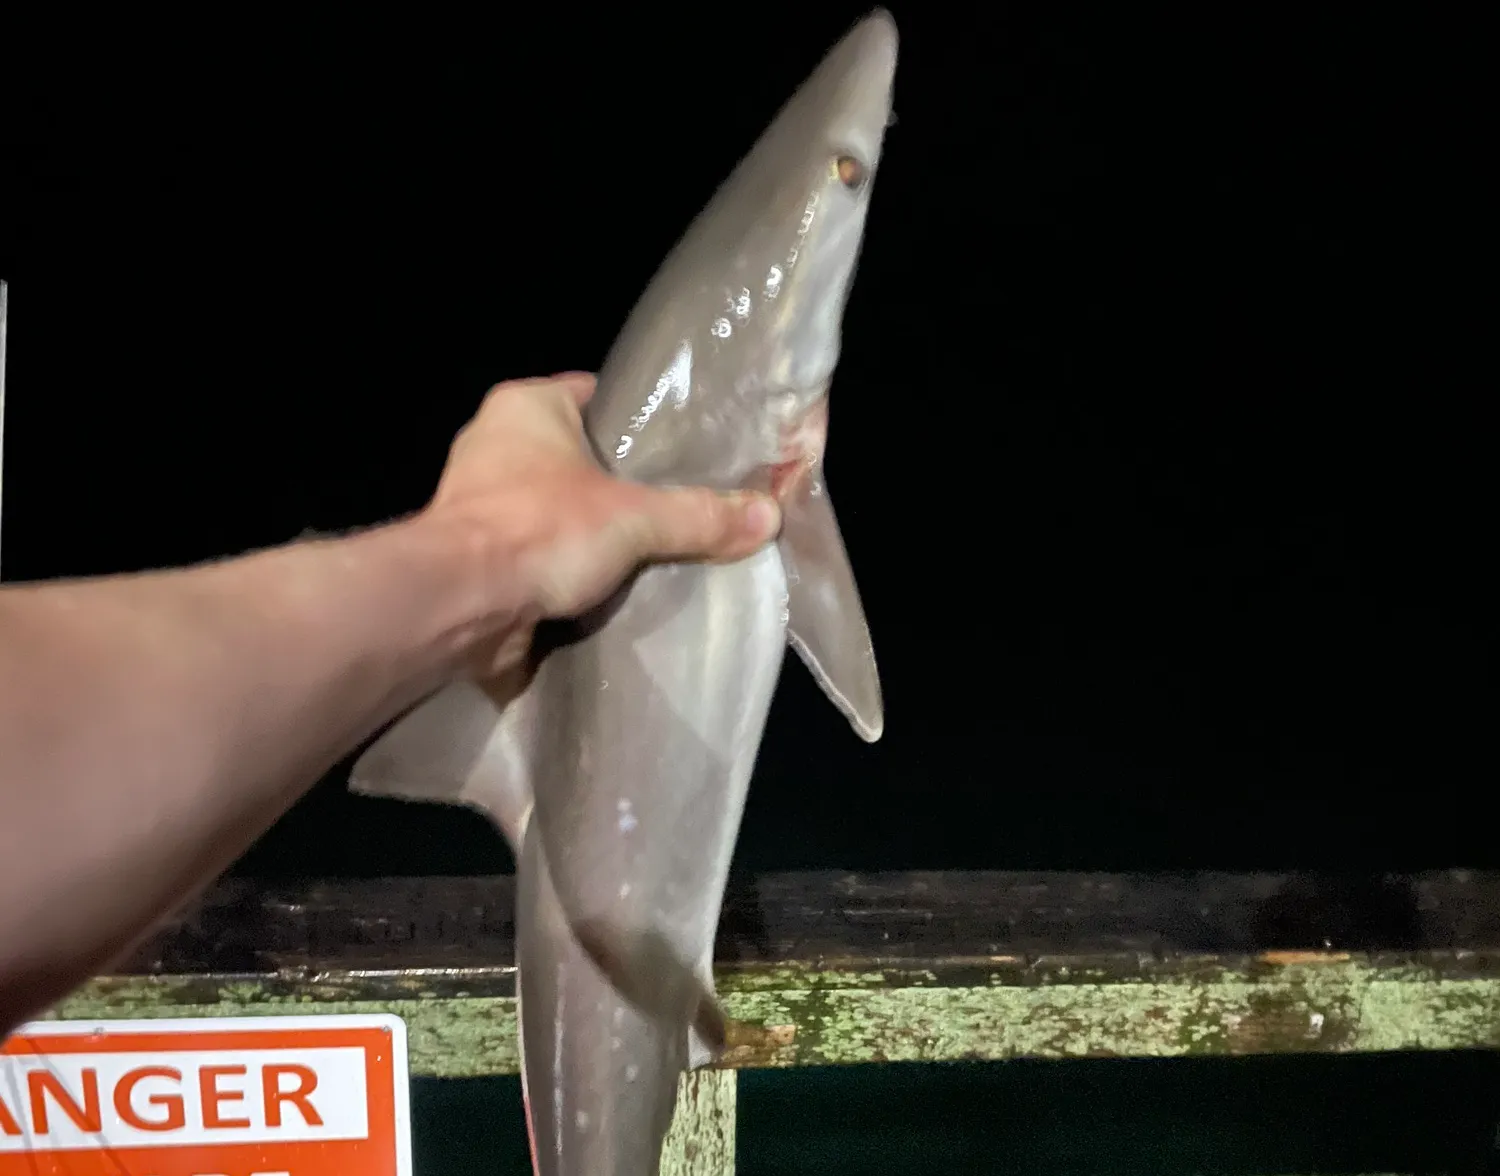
(82, 1101)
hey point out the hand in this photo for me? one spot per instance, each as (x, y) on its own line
(571, 532)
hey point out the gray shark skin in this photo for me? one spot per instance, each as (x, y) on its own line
(619, 775)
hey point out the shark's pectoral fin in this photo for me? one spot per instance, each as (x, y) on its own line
(457, 747)
(826, 620)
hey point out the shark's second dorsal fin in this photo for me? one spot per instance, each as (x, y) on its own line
(457, 747)
(826, 619)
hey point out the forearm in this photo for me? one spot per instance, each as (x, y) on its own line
(153, 726)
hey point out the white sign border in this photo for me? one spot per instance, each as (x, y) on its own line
(200, 1025)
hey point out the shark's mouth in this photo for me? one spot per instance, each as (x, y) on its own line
(802, 444)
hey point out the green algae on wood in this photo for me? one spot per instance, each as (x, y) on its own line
(827, 968)
(833, 968)
(830, 968)
(1337, 1003)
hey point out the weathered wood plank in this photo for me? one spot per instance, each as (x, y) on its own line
(778, 918)
(831, 968)
(701, 1139)
(1333, 1004)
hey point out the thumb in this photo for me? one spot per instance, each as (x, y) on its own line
(698, 524)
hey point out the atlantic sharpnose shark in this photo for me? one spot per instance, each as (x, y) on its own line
(619, 775)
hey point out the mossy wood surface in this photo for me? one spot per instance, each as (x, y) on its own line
(821, 968)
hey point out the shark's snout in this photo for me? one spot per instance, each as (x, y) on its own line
(878, 40)
(857, 76)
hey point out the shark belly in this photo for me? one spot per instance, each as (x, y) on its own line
(646, 749)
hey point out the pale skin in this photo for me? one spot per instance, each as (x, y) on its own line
(153, 726)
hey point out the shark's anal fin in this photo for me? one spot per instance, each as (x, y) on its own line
(826, 619)
(458, 747)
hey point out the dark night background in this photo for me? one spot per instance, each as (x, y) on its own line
(1158, 439)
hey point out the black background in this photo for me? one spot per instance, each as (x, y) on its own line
(1161, 439)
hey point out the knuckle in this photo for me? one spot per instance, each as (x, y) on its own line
(460, 441)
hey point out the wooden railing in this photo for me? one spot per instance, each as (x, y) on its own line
(828, 968)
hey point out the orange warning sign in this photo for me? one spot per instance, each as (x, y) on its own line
(253, 1096)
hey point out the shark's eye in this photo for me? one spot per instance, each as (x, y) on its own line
(851, 171)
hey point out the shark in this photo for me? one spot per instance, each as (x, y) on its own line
(619, 774)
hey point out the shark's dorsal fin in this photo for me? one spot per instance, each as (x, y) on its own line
(458, 747)
(826, 619)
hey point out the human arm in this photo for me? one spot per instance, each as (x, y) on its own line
(153, 726)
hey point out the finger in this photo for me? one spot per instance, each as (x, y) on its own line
(544, 410)
(554, 380)
(575, 388)
(565, 396)
(580, 384)
(698, 524)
